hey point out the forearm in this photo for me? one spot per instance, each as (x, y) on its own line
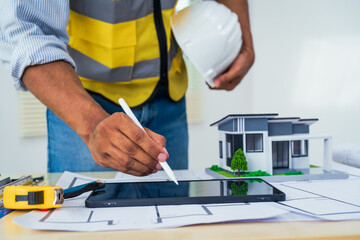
(241, 8)
(57, 86)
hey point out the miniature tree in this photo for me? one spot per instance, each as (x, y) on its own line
(239, 162)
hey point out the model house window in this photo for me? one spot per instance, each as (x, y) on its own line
(254, 142)
(220, 149)
(299, 148)
(228, 150)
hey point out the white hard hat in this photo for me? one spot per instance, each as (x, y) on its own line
(210, 36)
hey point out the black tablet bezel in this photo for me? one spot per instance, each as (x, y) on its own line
(277, 196)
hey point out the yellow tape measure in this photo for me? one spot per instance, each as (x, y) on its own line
(33, 197)
(44, 197)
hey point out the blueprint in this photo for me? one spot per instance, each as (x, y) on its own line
(320, 200)
(326, 199)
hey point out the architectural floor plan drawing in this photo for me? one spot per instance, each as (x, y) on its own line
(127, 218)
(326, 199)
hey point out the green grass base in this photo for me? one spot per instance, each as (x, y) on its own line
(229, 174)
(226, 174)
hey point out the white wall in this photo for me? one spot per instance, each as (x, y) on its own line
(17, 154)
(307, 65)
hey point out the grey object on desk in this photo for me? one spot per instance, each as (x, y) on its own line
(348, 154)
(5, 181)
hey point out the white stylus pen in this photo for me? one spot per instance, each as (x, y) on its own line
(128, 111)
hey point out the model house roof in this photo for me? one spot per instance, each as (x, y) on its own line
(307, 121)
(235, 116)
(287, 119)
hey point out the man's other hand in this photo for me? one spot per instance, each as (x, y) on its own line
(237, 70)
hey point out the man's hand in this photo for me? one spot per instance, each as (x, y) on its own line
(117, 142)
(242, 64)
(237, 71)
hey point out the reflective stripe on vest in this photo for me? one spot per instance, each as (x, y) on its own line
(89, 68)
(114, 45)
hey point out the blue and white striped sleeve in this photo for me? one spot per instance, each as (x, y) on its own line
(33, 32)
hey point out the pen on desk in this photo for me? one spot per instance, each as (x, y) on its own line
(128, 111)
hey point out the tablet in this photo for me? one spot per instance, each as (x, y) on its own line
(187, 192)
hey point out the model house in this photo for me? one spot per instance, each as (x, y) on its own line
(270, 143)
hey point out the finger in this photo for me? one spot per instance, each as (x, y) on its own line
(225, 79)
(227, 76)
(141, 138)
(100, 160)
(229, 83)
(212, 88)
(128, 147)
(120, 161)
(160, 139)
(233, 83)
(236, 72)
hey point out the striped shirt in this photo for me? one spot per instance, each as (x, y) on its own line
(33, 32)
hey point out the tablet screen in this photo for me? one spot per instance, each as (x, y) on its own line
(208, 191)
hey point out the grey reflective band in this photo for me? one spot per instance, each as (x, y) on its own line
(117, 11)
(93, 70)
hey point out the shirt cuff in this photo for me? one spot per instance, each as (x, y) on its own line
(36, 50)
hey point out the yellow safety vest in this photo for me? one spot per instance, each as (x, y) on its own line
(115, 44)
